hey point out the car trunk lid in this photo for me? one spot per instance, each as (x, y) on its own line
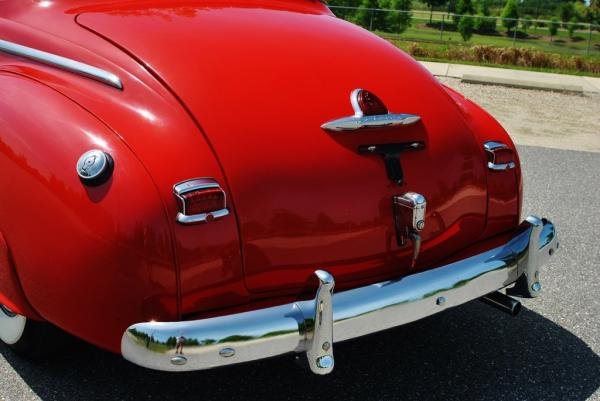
(260, 81)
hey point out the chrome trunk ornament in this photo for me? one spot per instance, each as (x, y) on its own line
(409, 219)
(363, 119)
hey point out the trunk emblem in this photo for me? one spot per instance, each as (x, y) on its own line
(369, 112)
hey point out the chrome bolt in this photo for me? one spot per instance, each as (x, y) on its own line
(372, 149)
(325, 362)
(326, 346)
(441, 301)
(536, 287)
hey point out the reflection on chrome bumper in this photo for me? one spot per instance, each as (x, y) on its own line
(313, 326)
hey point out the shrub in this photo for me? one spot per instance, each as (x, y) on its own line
(510, 15)
(572, 26)
(526, 23)
(485, 24)
(397, 21)
(553, 27)
(523, 57)
(465, 27)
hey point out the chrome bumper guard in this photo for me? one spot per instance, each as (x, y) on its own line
(313, 326)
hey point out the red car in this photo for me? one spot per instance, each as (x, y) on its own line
(183, 181)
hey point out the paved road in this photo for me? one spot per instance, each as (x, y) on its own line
(550, 352)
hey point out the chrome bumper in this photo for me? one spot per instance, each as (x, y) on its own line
(313, 326)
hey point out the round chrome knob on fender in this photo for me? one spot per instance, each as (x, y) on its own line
(94, 167)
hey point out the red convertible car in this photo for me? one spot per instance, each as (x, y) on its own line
(183, 182)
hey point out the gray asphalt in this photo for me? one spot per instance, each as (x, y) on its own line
(549, 352)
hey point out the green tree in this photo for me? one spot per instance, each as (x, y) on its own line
(553, 27)
(483, 22)
(463, 7)
(592, 13)
(365, 16)
(526, 23)
(369, 17)
(396, 21)
(434, 3)
(510, 15)
(466, 26)
(566, 12)
(594, 10)
(483, 7)
(572, 26)
(451, 6)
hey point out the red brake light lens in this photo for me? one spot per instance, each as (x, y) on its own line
(370, 104)
(501, 156)
(203, 201)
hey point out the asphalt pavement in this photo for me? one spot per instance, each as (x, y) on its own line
(473, 352)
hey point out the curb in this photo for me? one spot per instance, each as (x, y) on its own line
(571, 84)
(522, 84)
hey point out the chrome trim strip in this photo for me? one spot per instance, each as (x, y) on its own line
(354, 102)
(201, 218)
(194, 185)
(379, 121)
(288, 328)
(501, 167)
(493, 145)
(64, 63)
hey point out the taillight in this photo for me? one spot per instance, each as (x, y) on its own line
(499, 156)
(366, 103)
(200, 200)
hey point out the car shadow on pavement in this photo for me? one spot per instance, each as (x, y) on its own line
(469, 353)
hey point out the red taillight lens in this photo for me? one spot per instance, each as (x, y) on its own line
(203, 201)
(501, 156)
(370, 104)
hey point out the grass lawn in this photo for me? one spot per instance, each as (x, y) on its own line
(538, 39)
(559, 54)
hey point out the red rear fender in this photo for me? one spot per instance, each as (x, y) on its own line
(81, 253)
(505, 188)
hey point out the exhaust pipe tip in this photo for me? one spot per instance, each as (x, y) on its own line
(503, 302)
(516, 308)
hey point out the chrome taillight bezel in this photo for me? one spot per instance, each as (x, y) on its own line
(198, 184)
(491, 147)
